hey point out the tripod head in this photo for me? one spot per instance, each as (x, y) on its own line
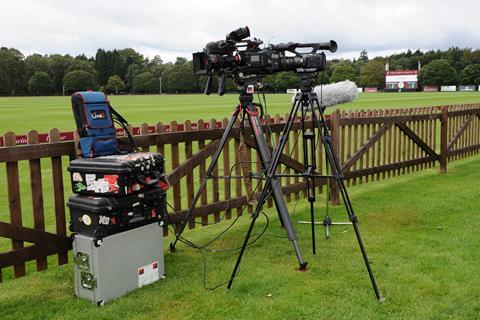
(246, 91)
(307, 81)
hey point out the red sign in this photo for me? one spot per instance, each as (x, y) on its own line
(42, 137)
(430, 88)
(400, 72)
(68, 136)
(370, 90)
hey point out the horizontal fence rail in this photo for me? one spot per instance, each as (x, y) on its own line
(371, 145)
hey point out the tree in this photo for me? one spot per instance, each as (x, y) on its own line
(59, 65)
(438, 72)
(115, 84)
(78, 80)
(344, 71)
(82, 65)
(41, 84)
(12, 69)
(131, 56)
(286, 80)
(372, 74)
(37, 62)
(166, 75)
(145, 83)
(180, 61)
(471, 75)
(363, 56)
(133, 71)
(323, 78)
(83, 57)
(182, 78)
(157, 60)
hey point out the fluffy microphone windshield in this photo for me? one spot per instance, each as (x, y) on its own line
(336, 93)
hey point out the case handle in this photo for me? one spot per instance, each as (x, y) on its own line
(153, 180)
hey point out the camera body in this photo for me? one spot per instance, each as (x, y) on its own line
(238, 57)
(262, 62)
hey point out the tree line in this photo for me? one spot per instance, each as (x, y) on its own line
(128, 71)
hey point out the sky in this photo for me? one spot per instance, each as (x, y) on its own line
(178, 28)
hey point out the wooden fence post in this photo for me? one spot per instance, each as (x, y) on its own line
(37, 194)
(14, 203)
(190, 181)
(335, 130)
(58, 195)
(177, 199)
(215, 183)
(443, 139)
(143, 132)
(227, 192)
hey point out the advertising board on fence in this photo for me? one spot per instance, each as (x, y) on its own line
(370, 90)
(430, 88)
(448, 88)
(401, 80)
(466, 88)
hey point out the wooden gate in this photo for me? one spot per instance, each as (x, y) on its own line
(371, 145)
(463, 131)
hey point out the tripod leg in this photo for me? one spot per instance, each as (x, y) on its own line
(308, 138)
(208, 174)
(271, 185)
(312, 220)
(337, 172)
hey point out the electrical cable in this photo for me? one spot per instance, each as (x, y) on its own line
(192, 219)
(195, 246)
(202, 248)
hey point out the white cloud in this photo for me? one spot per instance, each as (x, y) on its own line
(173, 28)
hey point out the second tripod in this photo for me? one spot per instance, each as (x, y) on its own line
(308, 101)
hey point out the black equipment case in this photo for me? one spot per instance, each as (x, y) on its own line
(117, 175)
(103, 216)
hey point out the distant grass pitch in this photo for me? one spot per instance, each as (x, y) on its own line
(21, 114)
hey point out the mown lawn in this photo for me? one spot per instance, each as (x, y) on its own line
(420, 230)
(21, 114)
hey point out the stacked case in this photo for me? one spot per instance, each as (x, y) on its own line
(116, 218)
(117, 210)
(116, 193)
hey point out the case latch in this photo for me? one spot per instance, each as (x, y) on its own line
(88, 281)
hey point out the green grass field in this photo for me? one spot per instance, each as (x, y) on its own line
(21, 114)
(420, 231)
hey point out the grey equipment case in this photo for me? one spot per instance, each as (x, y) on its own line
(117, 264)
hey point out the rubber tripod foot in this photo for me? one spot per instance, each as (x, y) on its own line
(172, 248)
(302, 267)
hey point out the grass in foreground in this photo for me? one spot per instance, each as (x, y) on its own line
(420, 230)
(21, 114)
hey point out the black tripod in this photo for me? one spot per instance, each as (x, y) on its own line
(308, 100)
(309, 162)
(248, 109)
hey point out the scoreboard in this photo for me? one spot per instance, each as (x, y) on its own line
(401, 80)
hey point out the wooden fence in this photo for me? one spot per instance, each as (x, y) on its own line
(371, 145)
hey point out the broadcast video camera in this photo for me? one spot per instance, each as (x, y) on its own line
(241, 58)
